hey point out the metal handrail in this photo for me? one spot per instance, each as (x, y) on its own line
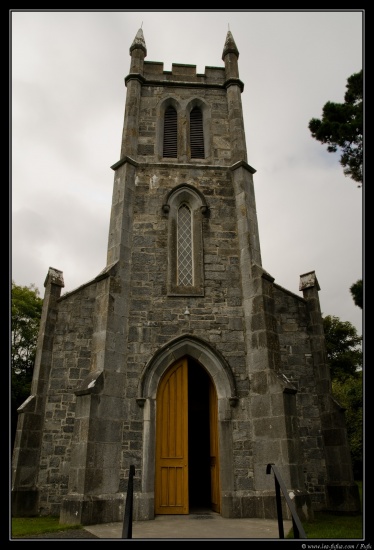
(298, 529)
(127, 518)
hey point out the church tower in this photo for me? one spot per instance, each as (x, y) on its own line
(182, 357)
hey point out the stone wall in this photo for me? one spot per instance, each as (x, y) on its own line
(297, 366)
(71, 362)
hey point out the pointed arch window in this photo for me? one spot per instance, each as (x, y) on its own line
(170, 144)
(197, 134)
(186, 208)
(184, 251)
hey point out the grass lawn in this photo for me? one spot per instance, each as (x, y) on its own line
(327, 525)
(334, 526)
(22, 527)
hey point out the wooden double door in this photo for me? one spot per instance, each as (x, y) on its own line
(187, 461)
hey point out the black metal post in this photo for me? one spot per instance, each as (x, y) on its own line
(127, 518)
(296, 532)
(298, 528)
(279, 509)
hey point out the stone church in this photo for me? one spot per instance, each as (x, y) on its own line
(183, 357)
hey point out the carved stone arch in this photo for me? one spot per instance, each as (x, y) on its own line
(188, 195)
(188, 345)
(161, 108)
(207, 126)
(183, 192)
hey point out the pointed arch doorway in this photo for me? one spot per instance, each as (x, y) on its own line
(187, 458)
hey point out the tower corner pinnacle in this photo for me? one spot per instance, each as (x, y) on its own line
(139, 42)
(230, 46)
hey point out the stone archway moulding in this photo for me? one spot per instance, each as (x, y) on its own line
(196, 348)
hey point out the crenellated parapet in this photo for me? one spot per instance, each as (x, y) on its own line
(182, 73)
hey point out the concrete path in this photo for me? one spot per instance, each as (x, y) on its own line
(207, 525)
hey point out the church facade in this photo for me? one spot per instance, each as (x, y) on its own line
(183, 357)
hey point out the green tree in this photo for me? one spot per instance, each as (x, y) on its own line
(341, 128)
(343, 346)
(349, 394)
(357, 293)
(25, 321)
(344, 355)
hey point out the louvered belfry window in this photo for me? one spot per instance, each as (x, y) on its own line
(170, 133)
(197, 134)
(184, 246)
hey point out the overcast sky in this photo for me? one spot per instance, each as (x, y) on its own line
(68, 100)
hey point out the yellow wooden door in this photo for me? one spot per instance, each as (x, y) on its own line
(171, 475)
(214, 456)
